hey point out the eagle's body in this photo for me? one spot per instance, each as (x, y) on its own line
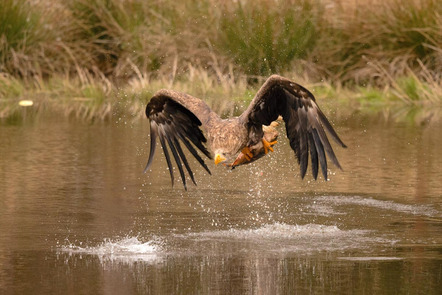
(177, 118)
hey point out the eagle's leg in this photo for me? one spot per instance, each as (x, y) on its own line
(247, 153)
(268, 145)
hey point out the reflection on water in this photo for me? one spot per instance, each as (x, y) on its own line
(78, 216)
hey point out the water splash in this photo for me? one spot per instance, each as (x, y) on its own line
(126, 250)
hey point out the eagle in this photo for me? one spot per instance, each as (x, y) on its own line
(178, 119)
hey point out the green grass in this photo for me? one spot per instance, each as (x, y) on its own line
(19, 31)
(394, 34)
(265, 37)
(96, 52)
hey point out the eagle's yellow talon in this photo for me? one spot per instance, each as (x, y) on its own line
(247, 153)
(268, 145)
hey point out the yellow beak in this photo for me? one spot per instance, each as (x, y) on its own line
(219, 159)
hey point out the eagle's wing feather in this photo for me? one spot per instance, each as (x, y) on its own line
(173, 119)
(305, 123)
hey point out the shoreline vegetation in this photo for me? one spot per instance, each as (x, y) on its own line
(98, 57)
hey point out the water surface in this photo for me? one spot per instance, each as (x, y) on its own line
(78, 216)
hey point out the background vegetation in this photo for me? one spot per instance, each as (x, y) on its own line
(98, 49)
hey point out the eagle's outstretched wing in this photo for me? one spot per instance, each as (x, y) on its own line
(304, 121)
(173, 120)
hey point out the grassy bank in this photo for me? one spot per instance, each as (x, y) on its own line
(95, 51)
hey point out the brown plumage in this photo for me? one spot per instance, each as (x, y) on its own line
(177, 118)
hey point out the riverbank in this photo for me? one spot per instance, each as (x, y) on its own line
(91, 99)
(93, 57)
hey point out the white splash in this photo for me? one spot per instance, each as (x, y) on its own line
(128, 249)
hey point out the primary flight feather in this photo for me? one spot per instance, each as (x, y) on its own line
(178, 119)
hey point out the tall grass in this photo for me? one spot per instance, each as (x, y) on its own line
(18, 28)
(379, 44)
(265, 37)
(396, 34)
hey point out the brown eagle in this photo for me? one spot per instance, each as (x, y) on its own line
(177, 118)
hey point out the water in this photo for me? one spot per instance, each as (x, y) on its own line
(77, 216)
